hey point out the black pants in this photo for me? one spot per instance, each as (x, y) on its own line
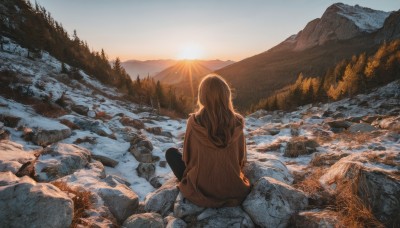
(174, 159)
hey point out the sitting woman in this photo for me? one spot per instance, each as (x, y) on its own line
(214, 150)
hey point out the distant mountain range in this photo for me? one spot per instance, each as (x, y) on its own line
(341, 32)
(153, 67)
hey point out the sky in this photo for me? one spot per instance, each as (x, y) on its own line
(178, 29)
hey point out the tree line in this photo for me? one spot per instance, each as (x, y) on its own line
(347, 78)
(33, 27)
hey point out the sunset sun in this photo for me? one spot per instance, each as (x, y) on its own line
(190, 51)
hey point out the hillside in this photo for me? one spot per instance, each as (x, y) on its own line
(153, 67)
(311, 52)
(61, 138)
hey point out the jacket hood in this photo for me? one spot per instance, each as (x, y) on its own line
(201, 133)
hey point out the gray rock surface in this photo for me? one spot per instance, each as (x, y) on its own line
(224, 217)
(172, 222)
(184, 207)
(25, 203)
(105, 160)
(60, 160)
(13, 156)
(361, 128)
(254, 170)
(141, 148)
(151, 220)
(162, 200)
(43, 137)
(271, 203)
(317, 218)
(146, 170)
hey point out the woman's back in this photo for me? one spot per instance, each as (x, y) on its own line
(213, 176)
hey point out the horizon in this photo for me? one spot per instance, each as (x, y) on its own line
(178, 30)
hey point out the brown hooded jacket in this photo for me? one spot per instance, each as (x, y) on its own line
(213, 176)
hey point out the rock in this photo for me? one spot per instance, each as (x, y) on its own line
(317, 218)
(300, 146)
(27, 134)
(27, 169)
(141, 149)
(271, 203)
(25, 203)
(154, 130)
(43, 137)
(173, 222)
(378, 189)
(80, 109)
(370, 119)
(91, 114)
(270, 147)
(9, 120)
(254, 170)
(326, 159)
(60, 160)
(294, 131)
(4, 134)
(224, 217)
(126, 121)
(337, 115)
(152, 220)
(13, 156)
(361, 128)
(354, 119)
(339, 124)
(95, 126)
(162, 164)
(146, 170)
(112, 179)
(155, 182)
(162, 200)
(391, 123)
(274, 131)
(105, 160)
(184, 208)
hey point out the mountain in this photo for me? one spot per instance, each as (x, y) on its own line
(147, 67)
(153, 67)
(341, 32)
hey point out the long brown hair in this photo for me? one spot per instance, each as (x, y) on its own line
(216, 112)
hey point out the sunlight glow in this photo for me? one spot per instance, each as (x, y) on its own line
(190, 51)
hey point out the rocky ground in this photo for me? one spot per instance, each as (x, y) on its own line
(76, 150)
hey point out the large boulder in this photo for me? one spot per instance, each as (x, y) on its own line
(151, 220)
(224, 217)
(162, 200)
(114, 193)
(44, 137)
(379, 189)
(25, 203)
(60, 160)
(13, 156)
(141, 149)
(254, 170)
(271, 203)
(184, 208)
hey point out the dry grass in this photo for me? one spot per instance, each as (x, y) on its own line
(309, 183)
(103, 116)
(70, 124)
(354, 212)
(360, 138)
(81, 199)
(390, 159)
(49, 109)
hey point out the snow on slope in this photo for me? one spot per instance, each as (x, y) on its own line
(366, 19)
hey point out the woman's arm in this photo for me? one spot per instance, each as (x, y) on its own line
(242, 151)
(186, 143)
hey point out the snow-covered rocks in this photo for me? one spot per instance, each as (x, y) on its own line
(105, 160)
(254, 170)
(126, 121)
(13, 156)
(60, 160)
(369, 175)
(163, 199)
(23, 203)
(44, 137)
(361, 128)
(152, 220)
(271, 203)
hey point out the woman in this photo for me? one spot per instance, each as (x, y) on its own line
(214, 150)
